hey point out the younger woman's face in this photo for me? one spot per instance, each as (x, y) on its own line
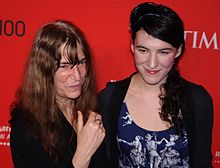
(68, 79)
(153, 57)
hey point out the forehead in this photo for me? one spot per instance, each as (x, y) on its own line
(68, 53)
(148, 41)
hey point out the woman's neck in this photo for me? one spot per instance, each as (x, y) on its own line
(139, 84)
(66, 106)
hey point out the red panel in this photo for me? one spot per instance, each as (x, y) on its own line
(105, 24)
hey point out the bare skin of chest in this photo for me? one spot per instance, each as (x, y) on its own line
(144, 110)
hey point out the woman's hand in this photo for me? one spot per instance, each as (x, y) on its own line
(89, 137)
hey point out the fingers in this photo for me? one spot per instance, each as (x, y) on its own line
(90, 135)
(98, 117)
(98, 120)
(102, 134)
(79, 122)
(93, 125)
(94, 117)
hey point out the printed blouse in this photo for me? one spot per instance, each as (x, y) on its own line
(140, 148)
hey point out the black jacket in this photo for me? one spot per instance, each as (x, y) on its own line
(198, 121)
(29, 153)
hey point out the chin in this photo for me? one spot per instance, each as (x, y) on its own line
(153, 82)
(75, 95)
(156, 80)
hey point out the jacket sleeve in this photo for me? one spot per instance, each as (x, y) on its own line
(28, 153)
(204, 123)
(104, 99)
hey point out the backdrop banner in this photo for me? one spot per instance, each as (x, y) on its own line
(106, 26)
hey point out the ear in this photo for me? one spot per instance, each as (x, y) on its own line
(179, 50)
(132, 46)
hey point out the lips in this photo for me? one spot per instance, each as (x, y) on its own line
(74, 85)
(152, 71)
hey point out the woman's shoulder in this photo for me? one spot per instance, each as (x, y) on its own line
(18, 121)
(119, 84)
(197, 91)
(22, 124)
(18, 115)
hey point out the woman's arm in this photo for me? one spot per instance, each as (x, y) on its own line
(89, 138)
(204, 117)
(25, 151)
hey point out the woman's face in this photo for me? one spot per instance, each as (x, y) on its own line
(68, 79)
(153, 57)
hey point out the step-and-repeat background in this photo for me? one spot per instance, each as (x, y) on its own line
(106, 25)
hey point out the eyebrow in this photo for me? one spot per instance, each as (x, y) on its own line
(65, 63)
(142, 47)
(82, 59)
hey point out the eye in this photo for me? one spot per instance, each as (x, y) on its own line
(142, 50)
(164, 52)
(82, 61)
(64, 66)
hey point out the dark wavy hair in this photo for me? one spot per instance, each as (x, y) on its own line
(36, 96)
(163, 23)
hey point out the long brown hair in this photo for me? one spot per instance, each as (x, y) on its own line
(37, 96)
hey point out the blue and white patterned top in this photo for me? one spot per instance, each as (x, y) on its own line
(140, 148)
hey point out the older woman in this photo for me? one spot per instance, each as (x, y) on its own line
(52, 119)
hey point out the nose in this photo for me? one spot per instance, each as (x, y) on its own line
(153, 62)
(75, 73)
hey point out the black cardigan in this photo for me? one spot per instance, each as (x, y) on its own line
(29, 153)
(198, 121)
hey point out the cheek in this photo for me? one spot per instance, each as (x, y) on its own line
(59, 82)
(83, 71)
(139, 59)
(167, 63)
(59, 78)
